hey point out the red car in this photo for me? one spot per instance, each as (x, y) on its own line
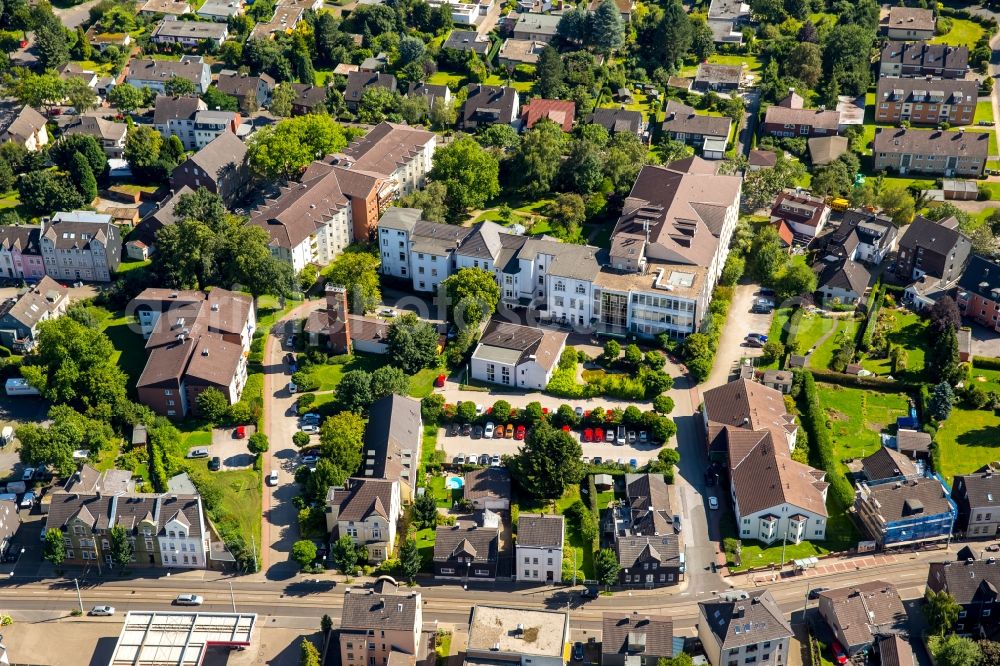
(565, 428)
(519, 433)
(598, 435)
(839, 656)
(588, 435)
(241, 432)
(439, 382)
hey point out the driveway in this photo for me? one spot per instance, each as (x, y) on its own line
(74, 16)
(232, 451)
(740, 322)
(280, 521)
(984, 341)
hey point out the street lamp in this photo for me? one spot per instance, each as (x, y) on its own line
(14, 568)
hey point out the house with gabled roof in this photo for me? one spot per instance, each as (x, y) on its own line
(977, 497)
(539, 554)
(389, 611)
(887, 464)
(515, 355)
(974, 584)
(221, 167)
(469, 549)
(366, 510)
(21, 315)
(750, 430)
(979, 292)
(23, 126)
(637, 639)
(905, 513)
(858, 614)
(392, 443)
(650, 561)
(744, 627)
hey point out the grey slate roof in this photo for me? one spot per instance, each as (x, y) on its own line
(760, 620)
(663, 549)
(487, 482)
(467, 40)
(223, 152)
(682, 118)
(393, 428)
(964, 580)
(929, 56)
(913, 440)
(895, 651)
(932, 142)
(982, 488)
(981, 277)
(40, 300)
(925, 496)
(617, 120)
(540, 531)
(655, 633)
(382, 609)
(886, 463)
(468, 538)
(843, 274)
(167, 108)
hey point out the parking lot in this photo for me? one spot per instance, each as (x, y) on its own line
(465, 445)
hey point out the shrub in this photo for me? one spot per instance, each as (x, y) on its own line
(814, 420)
(663, 404)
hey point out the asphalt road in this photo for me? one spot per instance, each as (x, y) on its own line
(74, 16)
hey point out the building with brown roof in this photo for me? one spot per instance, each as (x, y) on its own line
(926, 101)
(195, 341)
(515, 355)
(904, 513)
(168, 530)
(469, 549)
(80, 245)
(774, 496)
(514, 52)
(762, 159)
(636, 639)
(488, 488)
(619, 120)
(790, 118)
(841, 281)
(251, 92)
(559, 111)
(21, 314)
(392, 442)
(220, 167)
(909, 23)
(745, 627)
(359, 82)
(161, 216)
(625, 8)
(804, 213)
(859, 614)
(931, 152)
(887, 464)
(109, 134)
(391, 613)
(23, 126)
(539, 553)
(921, 59)
(894, 650)
(366, 510)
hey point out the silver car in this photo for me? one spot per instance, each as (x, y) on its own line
(189, 600)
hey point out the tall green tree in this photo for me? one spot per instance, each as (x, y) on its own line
(549, 461)
(607, 30)
(389, 380)
(672, 36)
(796, 278)
(308, 654)
(341, 439)
(121, 548)
(548, 74)
(358, 272)
(212, 404)
(281, 100)
(473, 296)
(285, 149)
(303, 552)
(178, 86)
(83, 177)
(943, 360)
(54, 550)
(954, 650)
(409, 558)
(469, 171)
(540, 157)
(126, 98)
(412, 343)
(346, 555)
(606, 567)
(432, 201)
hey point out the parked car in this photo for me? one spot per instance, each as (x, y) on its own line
(272, 478)
(839, 656)
(466, 430)
(578, 651)
(215, 464)
(495, 460)
(387, 312)
(240, 432)
(29, 472)
(754, 342)
(311, 417)
(586, 460)
(488, 433)
(598, 435)
(484, 459)
(460, 459)
(292, 388)
(479, 409)
(309, 428)
(198, 453)
(510, 431)
(643, 437)
(596, 461)
(102, 611)
(439, 381)
(310, 459)
(452, 430)
(477, 432)
(520, 432)
(759, 336)
(189, 600)
(713, 503)
(620, 438)
(28, 500)
(578, 411)
(588, 435)
(631, 437)
(815, 592)
(633, 463)
(609, 436)
(500, 432)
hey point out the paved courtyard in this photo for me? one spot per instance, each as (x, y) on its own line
(459, 445)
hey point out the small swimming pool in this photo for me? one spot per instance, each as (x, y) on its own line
(454, 483)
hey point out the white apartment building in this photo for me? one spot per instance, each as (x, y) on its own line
(80, 245)
(182, 544)
(539, 555)
(744, 629)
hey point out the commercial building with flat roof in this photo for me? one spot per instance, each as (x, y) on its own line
(154, 638)
(538, 637)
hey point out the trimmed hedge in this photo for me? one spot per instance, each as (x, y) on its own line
(821, 441)
(986, 363)
(856, 381)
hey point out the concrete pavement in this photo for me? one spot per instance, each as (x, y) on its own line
(739, 322)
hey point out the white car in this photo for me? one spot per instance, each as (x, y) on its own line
(387, 312)
(29, 472)
(272, 478)
(713, 503)
(309, 428)
(188, 600)
(479, 409)
(460, 459)
(578, 411)
(488, 433)
(292, 388)
(102, 611)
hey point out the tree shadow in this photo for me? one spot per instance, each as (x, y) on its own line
(988, 436)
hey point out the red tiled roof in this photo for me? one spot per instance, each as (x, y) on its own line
(557, 110)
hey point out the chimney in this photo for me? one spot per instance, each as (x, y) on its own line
(340, 325)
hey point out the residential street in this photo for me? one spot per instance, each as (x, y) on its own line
(280, 520)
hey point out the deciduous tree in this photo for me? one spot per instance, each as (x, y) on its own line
(473, 295)
(470, 173)
(412, 343)
(121, 548)
(547, 463)
(358, 272)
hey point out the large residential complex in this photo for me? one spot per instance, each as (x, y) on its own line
(926, 101)
(196, 340)
(932, 152)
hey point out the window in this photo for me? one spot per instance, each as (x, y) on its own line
(962, 614)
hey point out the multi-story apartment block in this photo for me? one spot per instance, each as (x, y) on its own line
(220, 167)
(973, 584)
(195, 341)
(932, 249)
(21, 315)
(926, 101)
(392, 443)
(167, 530)
(190, 120)
(743, 628)
(80, 245)
(931, 152)
(907, 512)
(366, 510)
(790, 118)
(774, 497)
(920, 59)
(21, 253)
(977, 497)
(979, 292)
(381, 624)
(154, 74)
(189, 33)
(539, 555)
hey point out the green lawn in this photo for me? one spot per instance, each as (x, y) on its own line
(824, 353)
(444, 497)
(988, 380)
(583, 549)
(132, 265)
(967, 440)
(841, 535)
(425, 546)
(520, 86)
(909, 330)
(858, 416)
(329, 374)
(239, 508)
(962, 33)
(805, 329)
(323, 75)
(984, 111)
(422, 383)
(130, 351)
(453, 81)
(752, 62)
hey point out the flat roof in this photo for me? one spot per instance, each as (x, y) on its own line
(495, 629)
(154, 638)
